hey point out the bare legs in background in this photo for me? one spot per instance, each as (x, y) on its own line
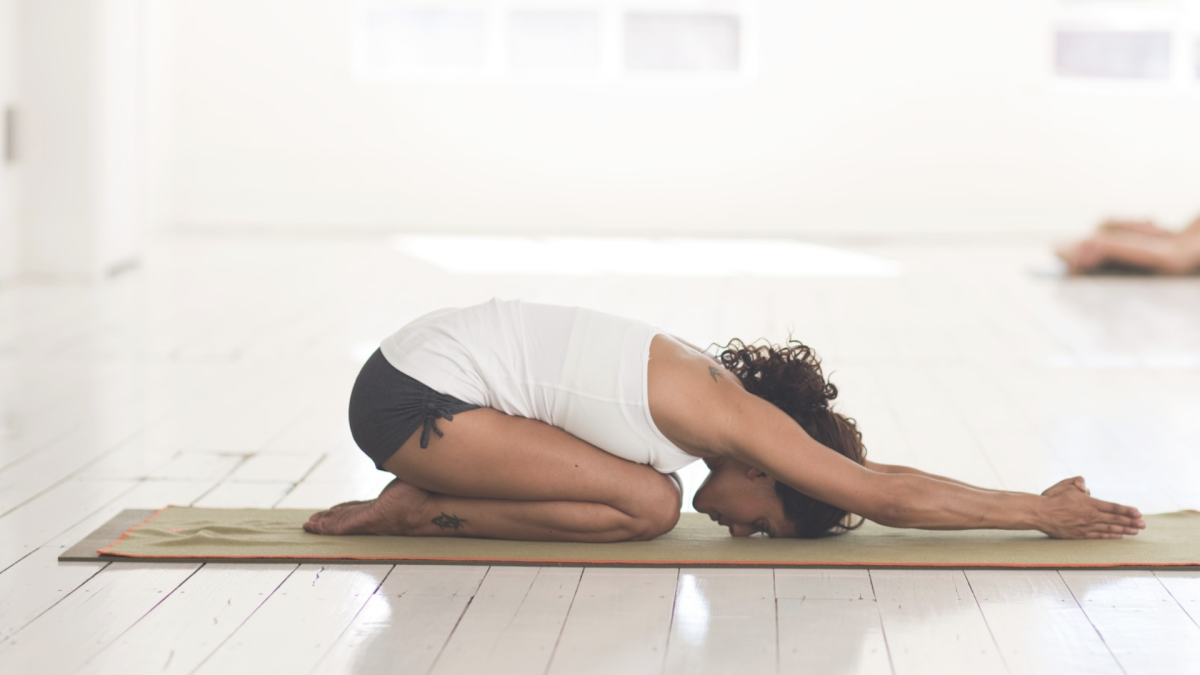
(1135, 244)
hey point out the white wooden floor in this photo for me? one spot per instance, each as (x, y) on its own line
(218, 375)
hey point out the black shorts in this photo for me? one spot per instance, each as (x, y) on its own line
(387, 407)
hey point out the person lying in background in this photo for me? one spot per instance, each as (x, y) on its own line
(516, 420)
(1138, 245)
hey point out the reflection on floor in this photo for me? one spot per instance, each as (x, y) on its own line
(217, 375)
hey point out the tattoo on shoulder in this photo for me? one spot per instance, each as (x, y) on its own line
(447, 521)
(715, 373)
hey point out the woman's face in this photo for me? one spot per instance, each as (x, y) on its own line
(743, 499)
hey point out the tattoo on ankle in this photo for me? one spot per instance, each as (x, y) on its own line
(449, 522)
(715, 373)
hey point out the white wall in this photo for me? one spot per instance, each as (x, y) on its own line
(8, 225)
(159, 96)
(78, 98)
(117, 128)
(867, 116)
(55, 198)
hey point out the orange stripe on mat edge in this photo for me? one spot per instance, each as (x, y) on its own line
(679, 563)
(102, 551)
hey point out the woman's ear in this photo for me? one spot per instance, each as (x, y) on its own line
(757, 475)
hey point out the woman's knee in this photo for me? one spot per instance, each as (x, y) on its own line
(657, 511)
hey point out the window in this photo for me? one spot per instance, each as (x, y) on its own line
(541, 40)
(696, 40)
(401, 39)
(1136, 43)
(681, 42)
(1141, 55)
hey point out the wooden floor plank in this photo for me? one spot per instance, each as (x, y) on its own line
(404, 627)
(824, 584)
(1139, 620)
(275, 467)
(91, 617)
(513, 624)
(1037, 624)
(38, 581)
(1184, 586)
(300, 621)
(933, 624)
(55, 463)
(237, 494)
(317, 495)
(345, 466)
(724, 622)
(631, 609)
(322, 428)
(33, 524)
(256, 424)
(97, 426)
(196, 464)
(25, 435)
(189, 625)
(829, 622)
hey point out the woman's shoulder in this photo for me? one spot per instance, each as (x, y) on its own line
(680, 359)
(693, 398)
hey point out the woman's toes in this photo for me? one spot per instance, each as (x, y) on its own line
(322, 523)
(397, 510)
(313, 524)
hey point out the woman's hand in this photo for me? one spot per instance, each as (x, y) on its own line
(1068, 511)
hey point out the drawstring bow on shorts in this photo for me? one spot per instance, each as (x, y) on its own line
(433, 412)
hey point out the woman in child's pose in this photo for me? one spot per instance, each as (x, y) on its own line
(514, 420)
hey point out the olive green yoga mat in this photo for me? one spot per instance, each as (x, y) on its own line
(274, 535)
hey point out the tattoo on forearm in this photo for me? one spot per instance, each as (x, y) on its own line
(715, 373)
(449, 522)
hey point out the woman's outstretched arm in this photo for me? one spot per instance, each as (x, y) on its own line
(713, 413)
(1076, 483)
(897, 468)
(899, 498)
(915, 499)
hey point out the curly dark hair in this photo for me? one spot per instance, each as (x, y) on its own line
(789, 376)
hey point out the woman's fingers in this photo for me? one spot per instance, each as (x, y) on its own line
(1061, 485)
(1118, 509)
(1118, 519)
(1130, 525)
(1078, 482)
(1075, 483)
(1114, 528)
(1121, 519)
(1079, 516)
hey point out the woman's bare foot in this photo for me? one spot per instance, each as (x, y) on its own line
(397, 510)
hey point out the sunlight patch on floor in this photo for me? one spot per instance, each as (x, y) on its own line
(632, 256)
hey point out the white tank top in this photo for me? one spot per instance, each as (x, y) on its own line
(580, 370)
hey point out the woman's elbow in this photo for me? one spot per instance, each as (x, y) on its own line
(890, 514)
(892, 506)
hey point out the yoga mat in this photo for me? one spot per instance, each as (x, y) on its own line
(274, 535)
